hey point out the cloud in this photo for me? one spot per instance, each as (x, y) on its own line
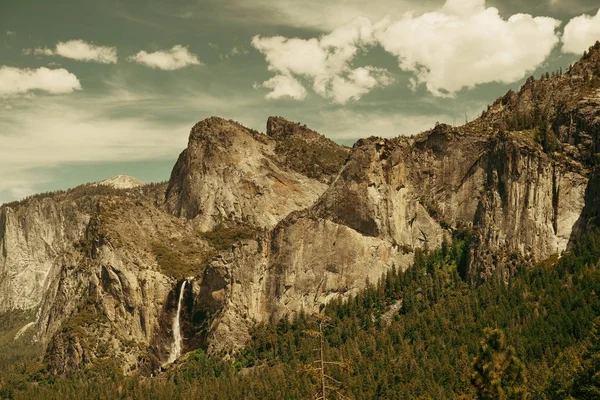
(320, 15)
(176, 58)
(461, 45)
(324, 62)
(39, 52)
(580, 33)
(18, 81)
(234, 52)
(465, 44)
(83, 51)
(283, 86)
(39, 135)
(78, 50)
(10, 33)
(238, 51)
(359, 81)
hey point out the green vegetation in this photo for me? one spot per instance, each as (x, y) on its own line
(548, 140)
(19, 359)
(88, 314)
(499, 374)
(222, 237)
(178, 262)
(586, 383)
(316, 159)
(74, 193)
(187, 258)
(436, 347)
(529, 135)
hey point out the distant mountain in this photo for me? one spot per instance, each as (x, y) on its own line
(122, 182)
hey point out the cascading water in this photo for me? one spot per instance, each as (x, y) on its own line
(176, 345)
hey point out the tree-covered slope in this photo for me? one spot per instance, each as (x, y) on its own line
(426, 349)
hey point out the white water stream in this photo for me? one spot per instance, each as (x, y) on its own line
(176, 345)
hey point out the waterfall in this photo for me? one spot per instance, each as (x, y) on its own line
(176, 345)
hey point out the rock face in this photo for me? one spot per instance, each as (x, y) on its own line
(265, 226)
(109, 293)
(32, 236)
(230, 173)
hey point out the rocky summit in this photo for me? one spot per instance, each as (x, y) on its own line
(265, 226)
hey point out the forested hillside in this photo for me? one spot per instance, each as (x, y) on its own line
(412, 335)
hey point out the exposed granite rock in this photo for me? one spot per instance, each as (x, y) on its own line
(391, 198)
(109, 296)
(303, 264)
(229, 173)
(31, 237)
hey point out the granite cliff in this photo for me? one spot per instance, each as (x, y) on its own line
(263, 226)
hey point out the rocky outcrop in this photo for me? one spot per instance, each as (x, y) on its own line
(111, 295)
(391, 198)
(36, 231)
(229, 173)
(304, 263)
(32, 236)
(306, 151)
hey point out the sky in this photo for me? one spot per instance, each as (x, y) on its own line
(93, 89)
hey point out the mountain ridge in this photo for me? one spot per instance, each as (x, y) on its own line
(271, 225)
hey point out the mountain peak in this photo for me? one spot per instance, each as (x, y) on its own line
(224, 132)
(122, 182)
(212, 126)
(281, 128)
(589, 64)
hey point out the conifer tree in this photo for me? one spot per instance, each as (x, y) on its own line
(499, 374)
(587, 382)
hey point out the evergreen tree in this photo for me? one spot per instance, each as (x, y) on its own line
(499, 374)
(587, 382)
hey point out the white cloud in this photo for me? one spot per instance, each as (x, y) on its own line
(18, 81)
(83, 51)
(78, 50)
(283, 86)
(359, 81)
(176, 58)
(39, 135)
(325, 62)
(38, 52)
(465, 44)
(11, 33)
(461, 45)
(580, 33)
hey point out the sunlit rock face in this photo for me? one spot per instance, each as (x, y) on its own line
(32, 236)
(229, 173)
